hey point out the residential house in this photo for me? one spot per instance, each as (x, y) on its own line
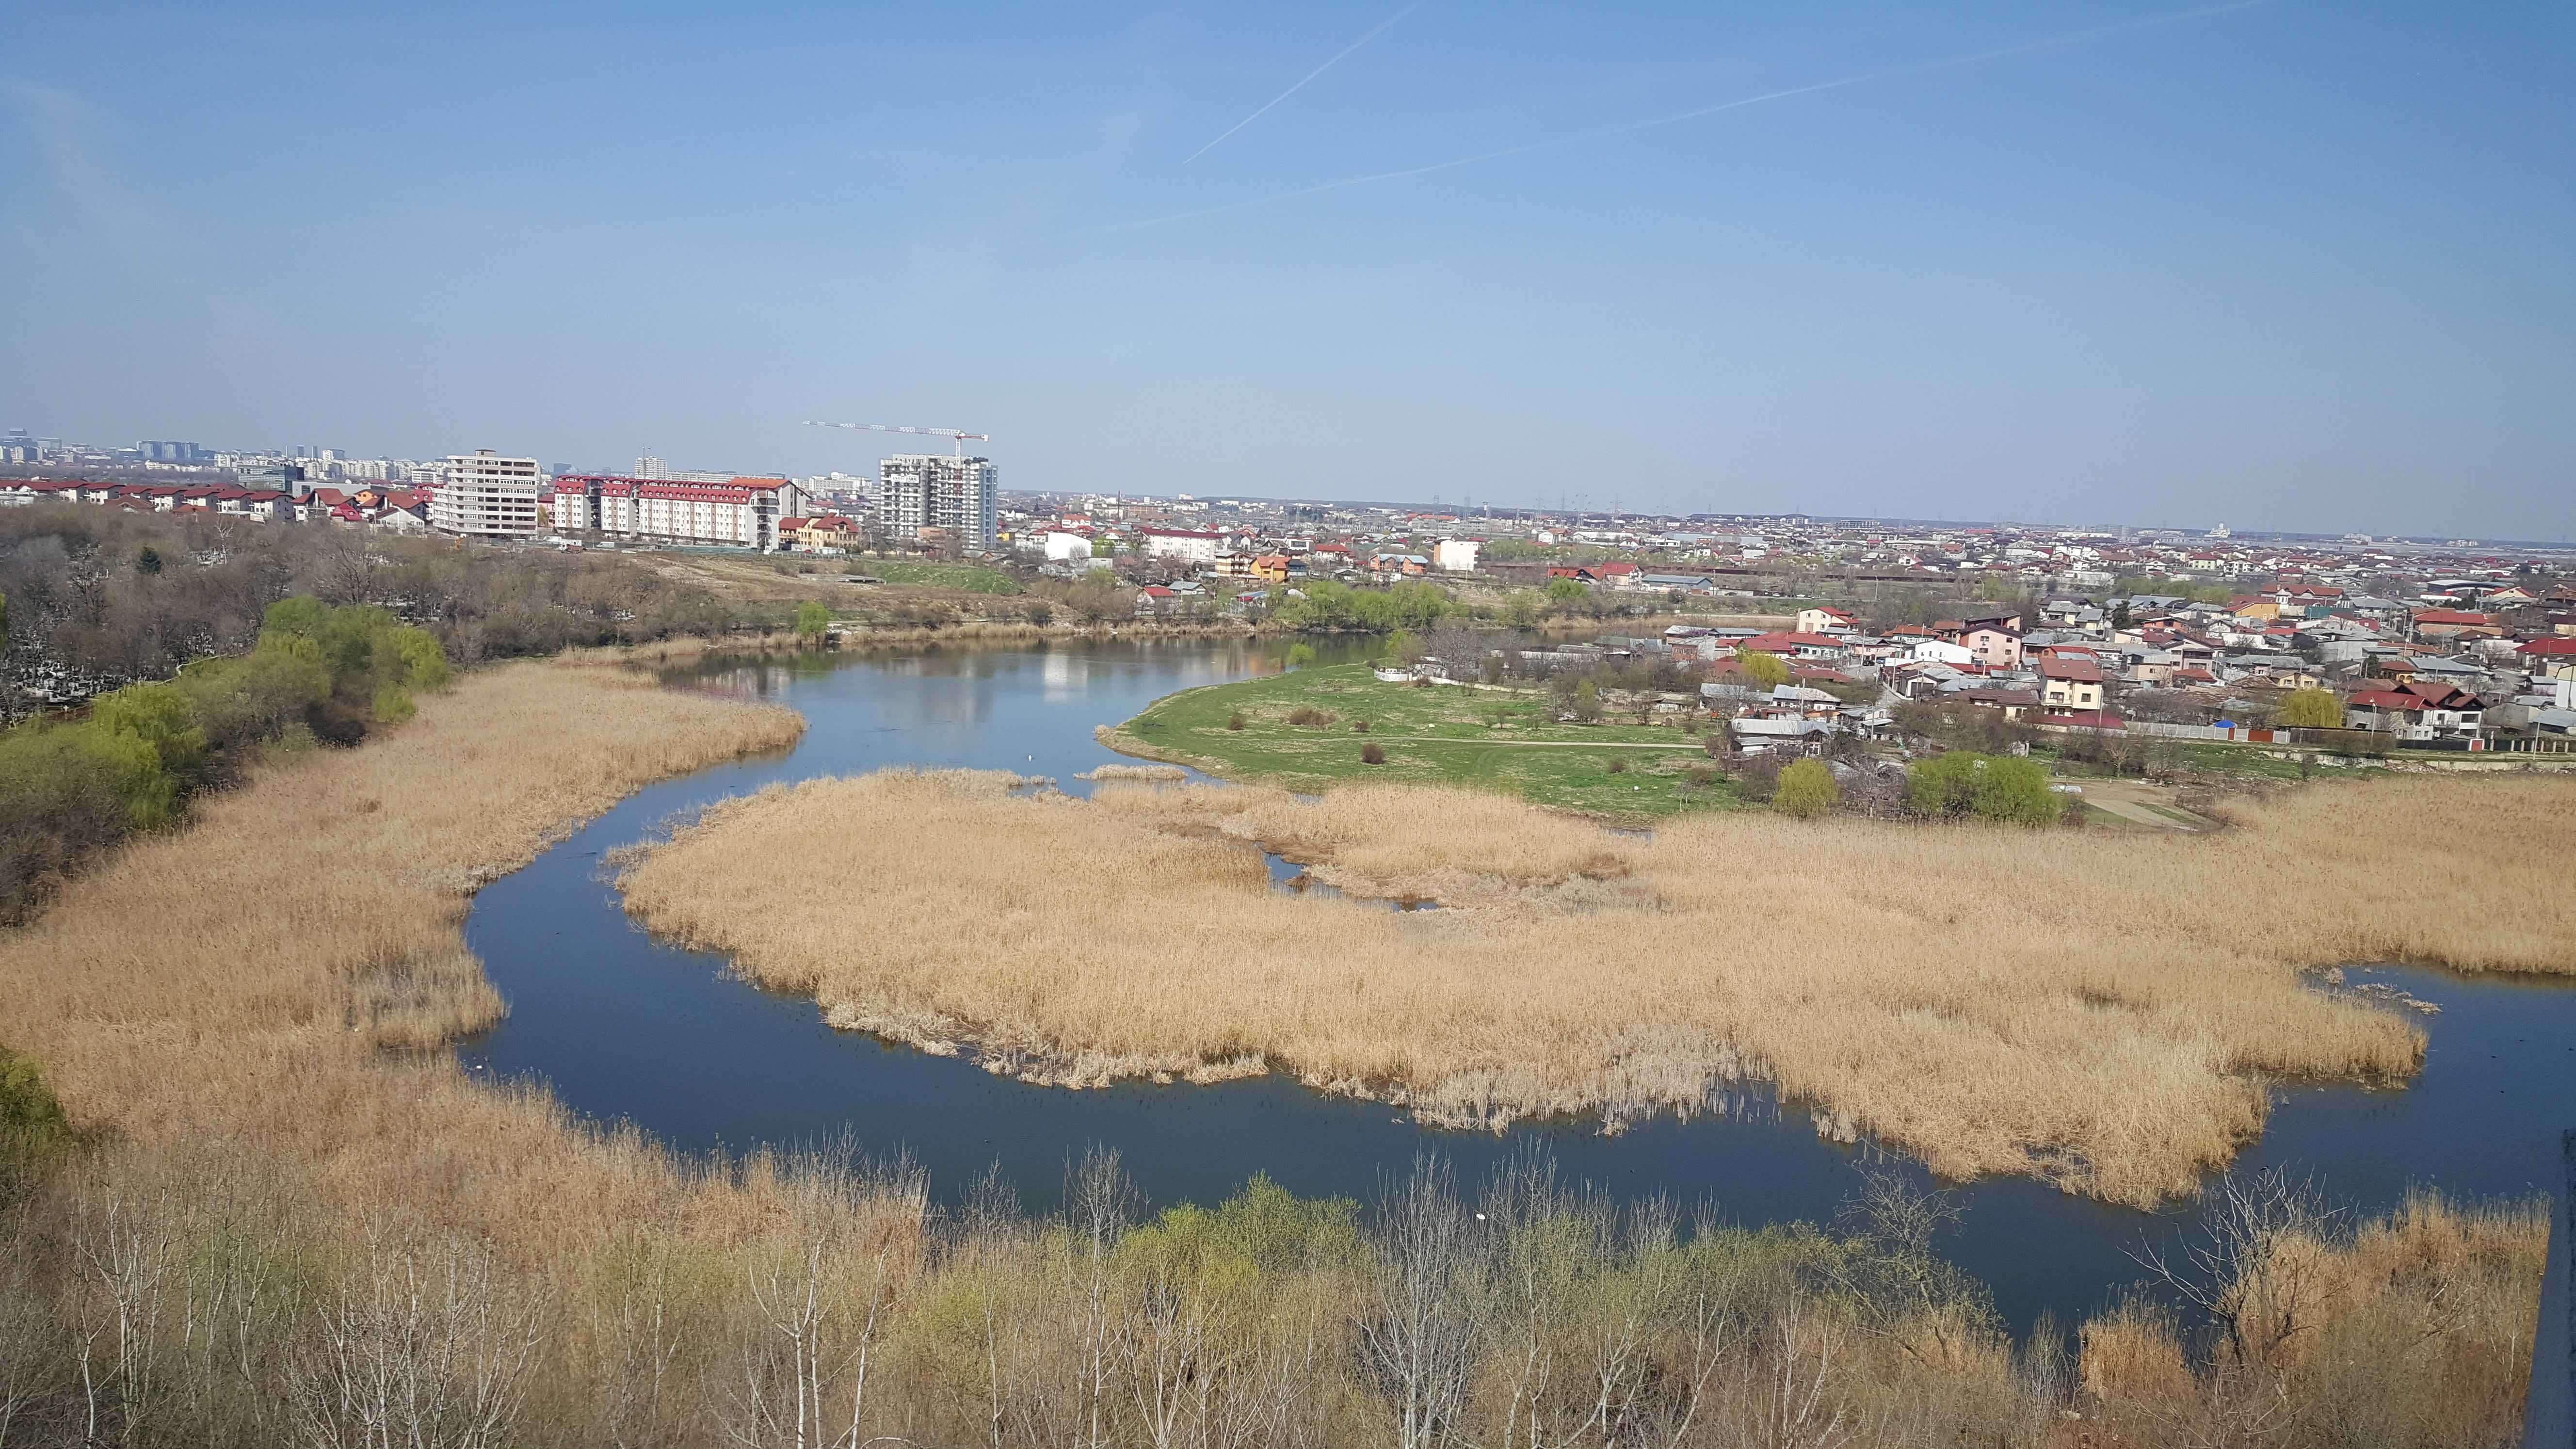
(2071, 680)
(1994, 645)
(2417, 710)
(1826, 619)
(2431, 624)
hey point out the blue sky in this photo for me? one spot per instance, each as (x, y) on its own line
(2287, 264)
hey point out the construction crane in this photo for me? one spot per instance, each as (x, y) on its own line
(957, 440)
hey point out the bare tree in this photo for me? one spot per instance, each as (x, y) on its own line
(641, 1345)
(1788, 1395)
(124, 1255)
(1422, 1334)
(2249, 1270)
(425, 1350)
(1102, 1202)
(818, 1308)
(29, 1382)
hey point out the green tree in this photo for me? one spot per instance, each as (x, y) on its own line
(422, 659)
(1944, 785)
(1587, 701)
(812, 621)
(1807, 790)
(1300, 654)
(2311, 708)
(148, 561)
(1765, 670)
(159, 716)
(2015, 791)
(1567, 591)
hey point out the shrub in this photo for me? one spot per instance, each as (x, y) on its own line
(1307, 717)
(1300, 655)
(1701, 775)
(1806, 790)
(2311, 708)
(1359, 726)
(32, 1124)
(1234, 721)
(1372, 754)
(1944, 785)
(2016, 792)
(2001, 788)
(1617, 765)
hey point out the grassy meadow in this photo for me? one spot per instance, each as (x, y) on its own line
(270, 1212)
(1485, 739)
(2085, 1007)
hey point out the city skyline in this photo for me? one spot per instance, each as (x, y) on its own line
(2295, 268)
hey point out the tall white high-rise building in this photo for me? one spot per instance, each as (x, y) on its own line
(930, 490)
(486, 496)
(649, 467)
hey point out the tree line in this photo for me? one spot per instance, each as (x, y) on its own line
(318, 674)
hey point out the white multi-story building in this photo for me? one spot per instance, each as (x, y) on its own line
(1457, 555)
(925, 490)
(1187, 545)
(487, 496)
(649, 467)
(736, 513)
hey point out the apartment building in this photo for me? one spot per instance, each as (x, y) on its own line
(486, 496)
(959, 496)
(1186, 545)
(735, 513)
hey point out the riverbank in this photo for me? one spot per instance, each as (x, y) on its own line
(1310, 729)
(2000, 1002)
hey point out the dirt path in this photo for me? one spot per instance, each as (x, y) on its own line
(2137, 802)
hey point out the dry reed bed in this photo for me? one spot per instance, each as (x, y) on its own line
(214, 1006)
(2101, 1010)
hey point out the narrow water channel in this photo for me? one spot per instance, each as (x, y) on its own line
(621, 1027)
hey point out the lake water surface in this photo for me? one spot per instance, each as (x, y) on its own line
(621, 1027)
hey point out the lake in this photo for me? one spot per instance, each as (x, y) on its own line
(621, 1027)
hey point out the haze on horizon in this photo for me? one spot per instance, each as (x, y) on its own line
(2285, 264)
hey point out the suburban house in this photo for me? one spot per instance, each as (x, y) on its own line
(2013, 702)
(1826, 619)
(1795, 646)
(2071, 681)
(2455, 624)
(1994, 645)
(2551, 658)
(2417, 710)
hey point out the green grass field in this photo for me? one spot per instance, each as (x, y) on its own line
(971, 578)
(1443, 735)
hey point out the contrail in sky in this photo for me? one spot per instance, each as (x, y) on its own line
(2053, 42)
(1310, 75)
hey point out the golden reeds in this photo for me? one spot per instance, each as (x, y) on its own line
(259, 1177)
(2102, 1010)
